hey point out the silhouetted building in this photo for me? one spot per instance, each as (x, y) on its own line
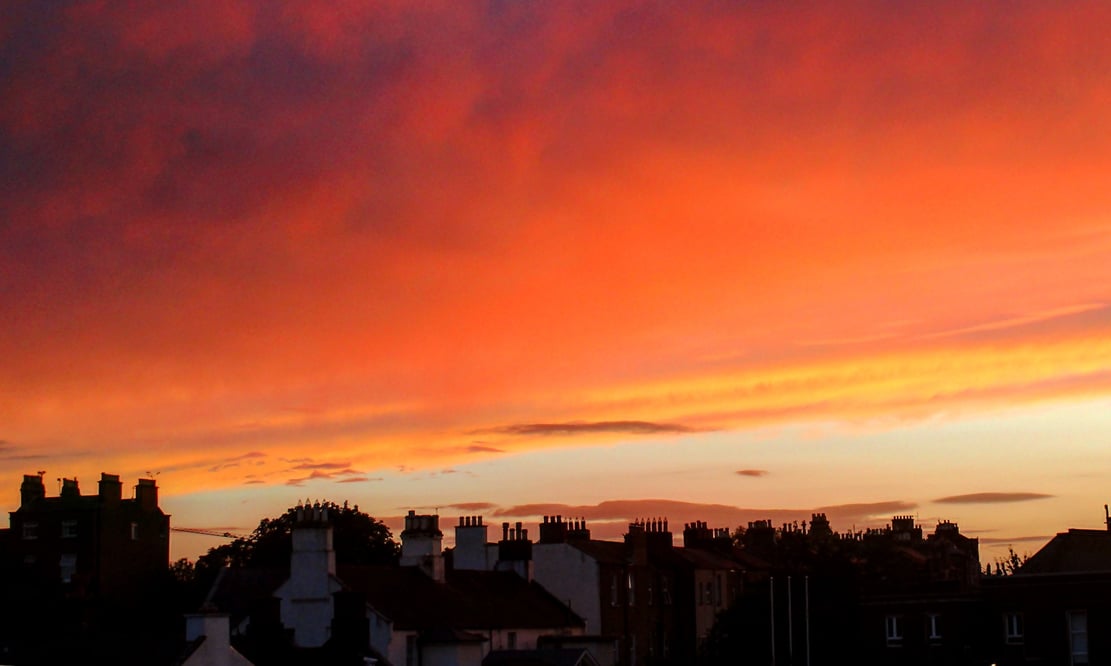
(420, 612)
(98, 546)
(95, 565)
(1056, 609)
(646, 599)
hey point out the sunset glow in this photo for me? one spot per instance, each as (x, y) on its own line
(720, 261)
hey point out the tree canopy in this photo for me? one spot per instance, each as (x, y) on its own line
(357, 539)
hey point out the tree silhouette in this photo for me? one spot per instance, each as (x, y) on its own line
(1011, 563)
(357, 539)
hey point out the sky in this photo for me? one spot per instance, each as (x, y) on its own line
(714, 261)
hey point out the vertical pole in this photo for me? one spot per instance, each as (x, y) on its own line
(806, 582)
(771, 612)
(790, 627)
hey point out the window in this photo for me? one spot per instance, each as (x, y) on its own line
(134, 531)
(411, 650)
(613, 590)
(632, 589)
(1013, 627)
(933, 626)
(1078, 638)
(30, 531)
(650, 596)
(511, 640)
(67, 566)
(717, 591)
(894, 628)
(69, 529)
(665, 591)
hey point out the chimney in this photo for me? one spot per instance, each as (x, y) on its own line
(553, 530)
(146, 495)
(70, 491)
(697, 535)
(470, 544)
(110, 489)
(578, 531)
(213, 627)
(306, 601)
(31, 490)
(421, 544)
(760, 538)
(515, 552)
(637, 541)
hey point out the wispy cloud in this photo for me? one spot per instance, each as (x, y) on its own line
(472, 506)
(577, 428)
(1040, 538)
(322, 465)
(483, 448)
(869, 508)
(752, 472)
(991, 498)
(317, 474)
(1021, 320)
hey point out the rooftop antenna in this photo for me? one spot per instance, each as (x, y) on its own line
(1107, 518)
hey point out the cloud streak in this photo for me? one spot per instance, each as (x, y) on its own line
(991, 498)
(586, 429)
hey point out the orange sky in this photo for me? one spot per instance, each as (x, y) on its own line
(245, 243)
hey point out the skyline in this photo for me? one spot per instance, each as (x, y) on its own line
(508, 254)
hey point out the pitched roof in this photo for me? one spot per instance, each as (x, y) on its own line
(1072, 552)
(610, 552)
(465, 600)
(706, 559)
(541, 657)
(241, 591)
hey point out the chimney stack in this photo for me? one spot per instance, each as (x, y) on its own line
(515, 551)
(470, 544)
(421, 544)
(31, 490)
(110, 489)
(146, 494)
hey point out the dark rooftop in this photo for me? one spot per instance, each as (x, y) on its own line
(1074, 551)
(541, 657)
(466, 600)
